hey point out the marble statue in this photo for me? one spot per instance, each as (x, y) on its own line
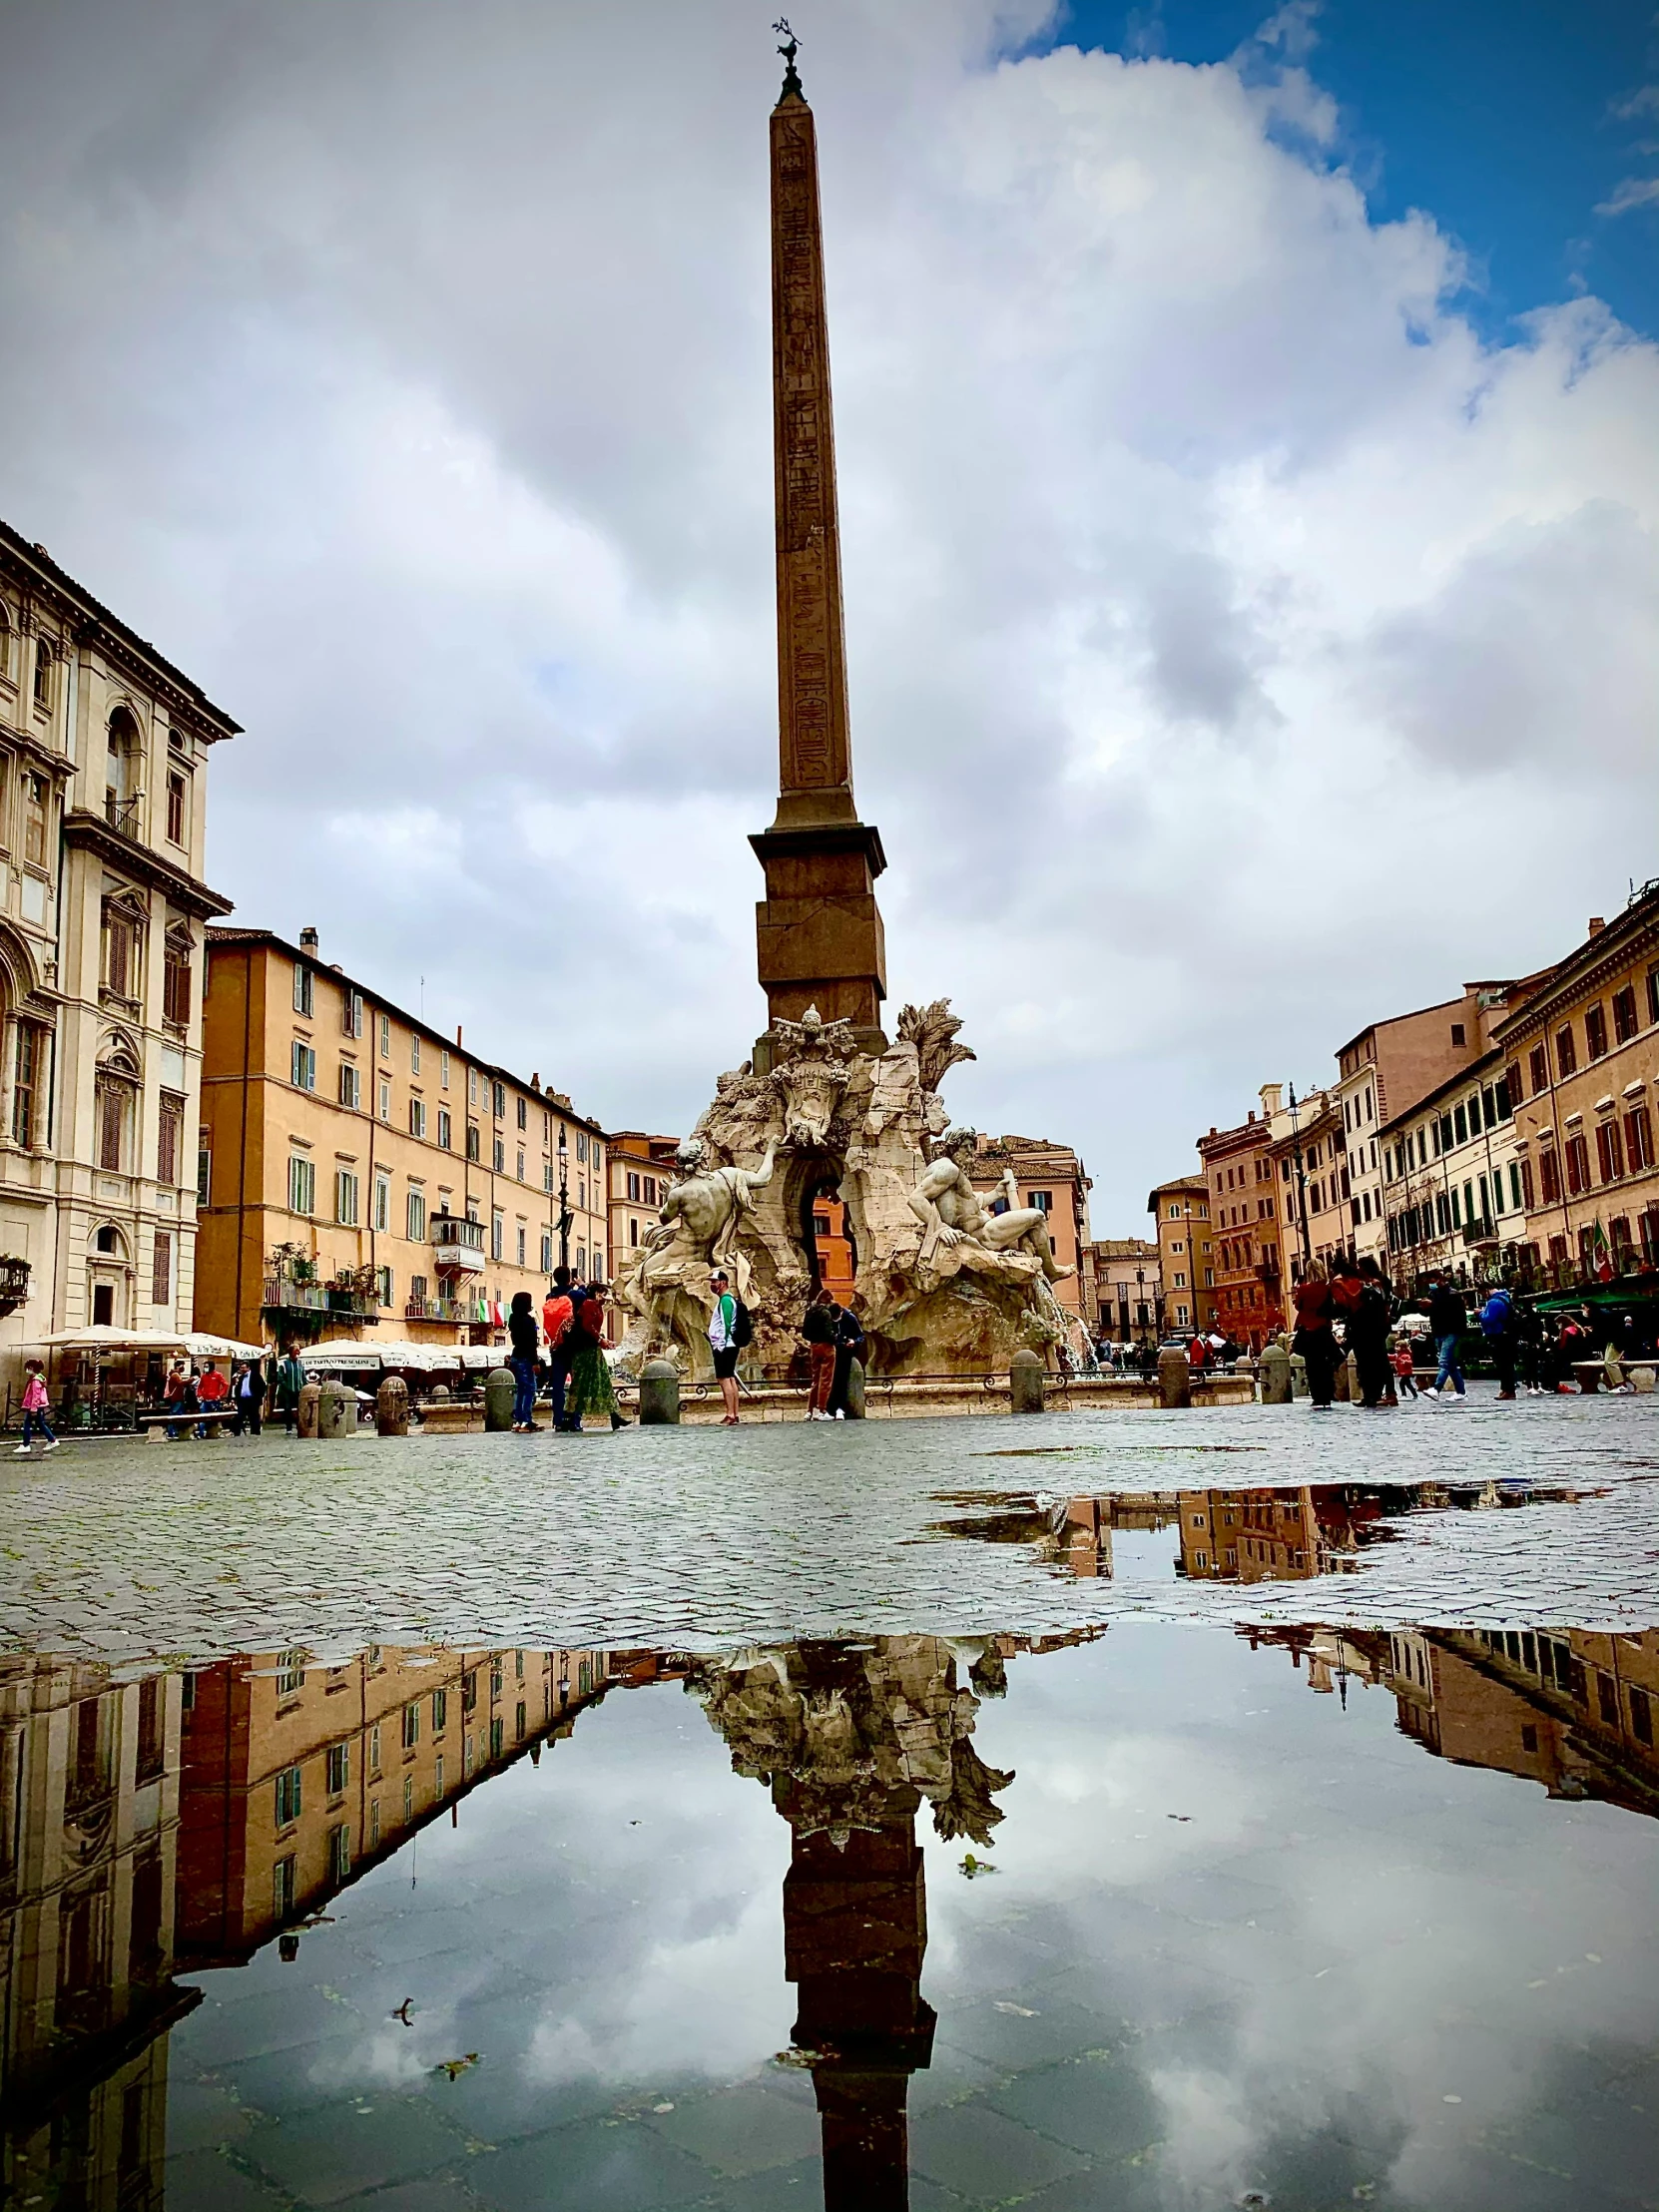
(950, 1210)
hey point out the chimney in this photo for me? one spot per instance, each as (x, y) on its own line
(535, 1081)
(457, 1032)
(1597, 926)
(308, 941)
(1250, 1117)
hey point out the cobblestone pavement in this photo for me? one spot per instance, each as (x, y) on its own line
(675, 1538)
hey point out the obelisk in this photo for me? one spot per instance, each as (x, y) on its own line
(818, 928)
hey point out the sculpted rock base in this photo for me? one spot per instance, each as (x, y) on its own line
(941, 1285)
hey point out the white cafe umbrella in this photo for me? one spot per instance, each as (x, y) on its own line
(204, 1345)
(422, 1358)
(342, 1353)
(101, 1336)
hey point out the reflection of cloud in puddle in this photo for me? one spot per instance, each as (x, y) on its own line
(1208, 2132)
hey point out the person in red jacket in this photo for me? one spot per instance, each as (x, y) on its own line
(556, 1316)
(1315, 1338)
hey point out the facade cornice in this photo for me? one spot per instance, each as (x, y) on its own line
(82, 827)
(1584, 971)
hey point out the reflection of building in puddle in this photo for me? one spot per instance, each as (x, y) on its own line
(298, 1775)
(851, 1739)
(89, 1781)
(1570, 1709)
(1232, 1535)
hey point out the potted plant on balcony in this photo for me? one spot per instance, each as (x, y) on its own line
(352, 1291)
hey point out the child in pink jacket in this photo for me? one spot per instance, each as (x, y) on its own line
(35, 1403)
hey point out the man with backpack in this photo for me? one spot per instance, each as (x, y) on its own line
(730, 1329)
(557, 1313)
(849, 1345)
(1498, 1325)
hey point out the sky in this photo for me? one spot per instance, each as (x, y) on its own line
(1248, 471)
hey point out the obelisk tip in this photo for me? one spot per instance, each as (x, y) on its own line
(792, 82)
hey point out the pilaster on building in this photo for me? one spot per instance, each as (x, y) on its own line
(104, 746)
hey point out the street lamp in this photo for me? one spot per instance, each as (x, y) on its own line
(1301, 1187)
(566, 1216)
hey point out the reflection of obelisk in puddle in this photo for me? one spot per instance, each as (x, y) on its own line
(818, 928)
(851, 1739)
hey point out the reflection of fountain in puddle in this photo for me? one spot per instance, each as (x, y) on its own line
(1222, 1535)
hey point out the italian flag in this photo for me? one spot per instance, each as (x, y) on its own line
(1603, 1256)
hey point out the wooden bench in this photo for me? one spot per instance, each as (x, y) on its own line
(159, 1423)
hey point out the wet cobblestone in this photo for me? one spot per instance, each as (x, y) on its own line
(674, 1537)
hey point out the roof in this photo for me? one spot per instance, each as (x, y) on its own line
(1559, 982)
(37, 558)
(1255, 1130)
(227, 937)
(1177, 1182)
(1124, 1248)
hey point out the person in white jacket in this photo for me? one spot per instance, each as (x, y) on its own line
(723, 1341)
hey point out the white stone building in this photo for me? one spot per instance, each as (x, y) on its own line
(1453, 1180)
(103, 749)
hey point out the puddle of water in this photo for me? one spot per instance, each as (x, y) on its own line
(1163, 1918)
(1243, 1535)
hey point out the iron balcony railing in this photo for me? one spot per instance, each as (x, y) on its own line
(122, 815)
(454, 1230)
(437, 1309)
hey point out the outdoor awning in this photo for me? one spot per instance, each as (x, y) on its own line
(1621, 1296)
(204, 1345)
(100, 1336)
(341, 1356)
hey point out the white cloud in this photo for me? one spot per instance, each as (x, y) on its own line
(1630, 192)
(1207, 576)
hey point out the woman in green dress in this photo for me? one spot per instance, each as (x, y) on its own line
(591, 1388)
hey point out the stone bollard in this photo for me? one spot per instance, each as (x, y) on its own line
(659, 1395)
(1299, 1377)
(1175, 1379)
(337, 1410)
(439, 1393)
(1275, 1372)
(310, 1395)
(1025, 1383)
(855, 1391)
(391, 1406)
(500, 1388)
(1641, 1381)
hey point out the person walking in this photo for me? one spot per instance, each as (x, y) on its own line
(819, 1328)
(849, 1345)
(723, 1343)
(1401, 1360)
(288, 1380)
(556, 1315)
(246, 1397)
(1498, 1325)
(176, 1396)
(1447, 1319)
(34, 1412)
(591, 1388)
(1368, 1334)
(1315, 1338)
(525, 1339)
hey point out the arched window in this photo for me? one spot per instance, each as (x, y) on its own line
(5, 641)
(43, 672)
(116, 1111)
(121, 771)
(124, 924)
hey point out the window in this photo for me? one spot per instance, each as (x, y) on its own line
(203, 1171)
(1642, 1715)
(282, 1887)
(472, 1086)
(339, 1853)
(384, 1102)
(633, 1192)
(582, 1145)
(443, 1071)
(5, 641)
(547, 1247)
(302, 1066)
(1609, 1151)
(1043, 1201)
(351, 1013)
(1625, 1023)
(547, 1175)
(345, 1198)
(498, 1100)
(382, 1202)
(498, 1156)
(1566, 1051)
(26, 1084)
(1653, 994)
(1578, 1165)
(521, 1163)
(288, 1796)
(338, 1762)
(303, 988)
(169, 1131)
(1459, 1125)
(472, 1140)
(43, 674)
(1527, 1199)
(1459, 1036)
(417, 1117)
(112, 1124)
(386, 1037)
(1514, 1186)
(1638, 1139)
(35, 788)
(351, 1085)
(523, 1114)
(1539, 1070)
(411, 1726)
(521, 1235)
(1549, 1178)
(414, 1055)
(161, 1268)
(445, 1131)
(383, 1286)
(176, 810)
(301, 1186)
(498, 1233)
(123, 949)
(1595, 1032)
(440, 1711)
(176, 979)
(417, 1217)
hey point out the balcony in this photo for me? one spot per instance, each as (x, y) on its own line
(1479, 1233)
(457, 1242)
(282, 1296)
(122, 815)
(440, 1309)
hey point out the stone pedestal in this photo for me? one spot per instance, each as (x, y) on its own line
(391, 1406)
(1025, 1383)
(336, 1411)
(1175, 1379)
(659, 1393)
(500, 1388)
(1274, 1372)
(855, 1391)
(306, 1413)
